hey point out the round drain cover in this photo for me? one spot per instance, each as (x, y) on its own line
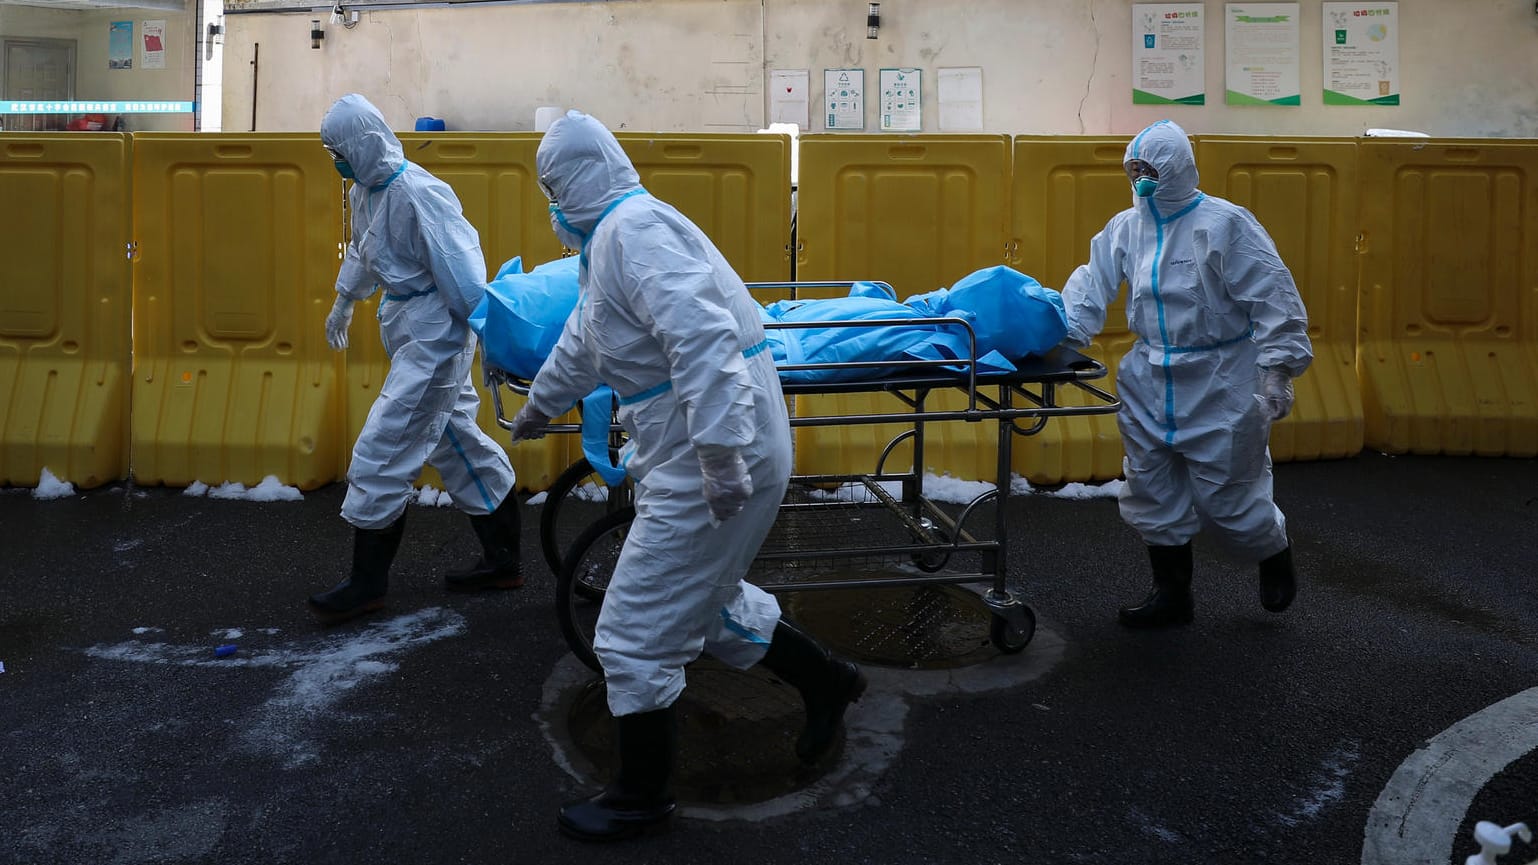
(736, 736)
(910, 627)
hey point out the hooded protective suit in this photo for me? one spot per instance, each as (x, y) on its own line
(1212, 304)
(665, 321)
(411, 242)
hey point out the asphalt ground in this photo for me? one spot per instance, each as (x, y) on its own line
(1359, 726)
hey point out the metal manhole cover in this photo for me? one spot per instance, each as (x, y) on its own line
(736, 736)
(917, 627)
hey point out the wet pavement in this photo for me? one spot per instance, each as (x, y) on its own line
(1393, 706)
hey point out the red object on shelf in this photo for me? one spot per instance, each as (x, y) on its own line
(88, 123)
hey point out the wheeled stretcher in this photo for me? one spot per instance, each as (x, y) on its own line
(858, 530)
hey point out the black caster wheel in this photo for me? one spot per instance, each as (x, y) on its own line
(1009, 639)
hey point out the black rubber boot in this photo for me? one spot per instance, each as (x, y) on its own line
(1169, 601)
(827, 685)
(1278, 581)
(499, 566)
(363, 592)
(638, 800)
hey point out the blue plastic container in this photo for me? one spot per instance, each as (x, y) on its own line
(430, 124)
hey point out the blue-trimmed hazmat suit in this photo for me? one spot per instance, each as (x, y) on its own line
(411, 243)
(1221, 331)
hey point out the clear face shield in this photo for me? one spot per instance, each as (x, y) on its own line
(343, 167)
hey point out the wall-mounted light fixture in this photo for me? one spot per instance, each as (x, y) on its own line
(346, 17)
(872, 20)
(316, 33)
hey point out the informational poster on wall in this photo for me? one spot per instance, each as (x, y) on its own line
(153, 37)
(1167, 54)
(902, 94)
(843, 94)
(960, 94)
(1261, 53)
(788, 101)
(120, 45)
(1361, 53)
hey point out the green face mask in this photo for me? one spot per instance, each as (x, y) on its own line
(1144, 187)
(344, 168)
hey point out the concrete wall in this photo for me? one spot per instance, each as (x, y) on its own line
(1467, 69)
(93, 80)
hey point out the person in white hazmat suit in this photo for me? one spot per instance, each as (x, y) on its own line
(665, 321)
(412, 244)
(1221, 333)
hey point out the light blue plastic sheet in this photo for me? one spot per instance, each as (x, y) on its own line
(1011, 315)
(523, 314)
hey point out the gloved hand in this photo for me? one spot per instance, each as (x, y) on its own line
(528, 423)
(337, 323)
(1275, 392)
(726, 482)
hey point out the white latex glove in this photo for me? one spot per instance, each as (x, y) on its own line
(1275, 392)
(726, 482)
(337, 323)
(528, 423)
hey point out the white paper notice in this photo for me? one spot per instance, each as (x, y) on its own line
(961, 99)
(843, 95)
(902, 96)
(1167, 54)
(1361, 53)
(1262, 54)
(788, 101)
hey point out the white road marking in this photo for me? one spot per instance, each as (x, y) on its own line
(1417, 814)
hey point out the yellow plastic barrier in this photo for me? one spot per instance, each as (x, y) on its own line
(736, 188)
(1450, 296)
(1065, 190)
(918, 212)
(1304, 191)
(233, 380)
(64, 307)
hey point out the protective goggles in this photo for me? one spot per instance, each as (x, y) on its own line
(335, 156)
(1137, 168)
(545, 188)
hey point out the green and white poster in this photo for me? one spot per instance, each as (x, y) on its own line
(1261, 54)
(1361, 53)
(1167, 58)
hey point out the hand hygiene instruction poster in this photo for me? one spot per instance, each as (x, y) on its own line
(1261, 44)
(1167, 64)
(1361, 54)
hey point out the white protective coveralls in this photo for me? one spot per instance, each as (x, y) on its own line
(665, 321)
(411, 242)
(1211, 304)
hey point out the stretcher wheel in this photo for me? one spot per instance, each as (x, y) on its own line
(583, 578)
(574, 501)
(930, 561)
(1008, 638)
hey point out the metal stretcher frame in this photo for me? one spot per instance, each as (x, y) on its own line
(1021, 403)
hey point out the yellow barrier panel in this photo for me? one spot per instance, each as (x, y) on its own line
(64, 307)
(1065, 190)
(494, 176)
(918, 212)
(1304, 192)
(237, 255)
(1449, 345)
(736, 188)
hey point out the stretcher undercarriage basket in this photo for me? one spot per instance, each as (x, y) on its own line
(879, 530)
